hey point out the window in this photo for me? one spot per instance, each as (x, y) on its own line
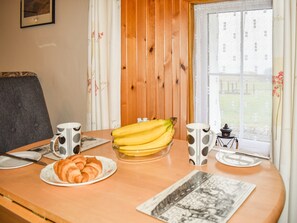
(233, 70)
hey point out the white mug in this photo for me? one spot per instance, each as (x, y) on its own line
(201, 139)
(69, 136)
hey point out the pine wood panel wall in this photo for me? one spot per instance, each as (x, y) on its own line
(154, 56)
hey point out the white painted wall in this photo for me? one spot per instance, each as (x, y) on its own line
(56, 52)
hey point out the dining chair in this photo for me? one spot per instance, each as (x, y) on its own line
(24, 117)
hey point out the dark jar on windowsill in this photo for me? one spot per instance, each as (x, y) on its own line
(226, 131)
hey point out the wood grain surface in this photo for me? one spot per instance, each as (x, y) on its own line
(115, 199)
(155, 61)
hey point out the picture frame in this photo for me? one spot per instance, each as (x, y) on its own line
(37, 12)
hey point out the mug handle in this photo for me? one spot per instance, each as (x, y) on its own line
(213, 140)
(52, 144)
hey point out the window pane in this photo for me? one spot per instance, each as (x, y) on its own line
(257, 108)
(224, 101)
(227, 104)
(240, 70)
(257, 34)
(224, 42)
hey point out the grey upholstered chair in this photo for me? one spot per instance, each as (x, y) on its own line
(24, 117)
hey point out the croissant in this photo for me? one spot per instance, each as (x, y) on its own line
(79, 160)
(78, 169)
(92, 168)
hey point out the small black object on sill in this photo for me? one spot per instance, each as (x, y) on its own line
(226, 135)
(226, 131)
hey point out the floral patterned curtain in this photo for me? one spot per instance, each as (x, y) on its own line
(104, 59)
(284, 151)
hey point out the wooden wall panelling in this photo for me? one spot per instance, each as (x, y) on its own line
(159, 58)
(131, 61)
(124, 75)
(176, 101)
(151, 76)
(184, 71)
(154, 61)
(168, 58)
(141, 86)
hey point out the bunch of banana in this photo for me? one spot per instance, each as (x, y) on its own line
(144, 138)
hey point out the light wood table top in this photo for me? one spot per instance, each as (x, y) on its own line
(115, 199)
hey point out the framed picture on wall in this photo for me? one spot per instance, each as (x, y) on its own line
(37, 12)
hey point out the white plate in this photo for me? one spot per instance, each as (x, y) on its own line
(49, 176)
(237, 160)
(11, 163)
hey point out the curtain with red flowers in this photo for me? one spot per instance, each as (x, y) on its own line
(104, 58)
(284, 152)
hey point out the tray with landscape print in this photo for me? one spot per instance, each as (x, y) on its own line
(198, 197)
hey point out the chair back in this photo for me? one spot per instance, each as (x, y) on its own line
(24, 118)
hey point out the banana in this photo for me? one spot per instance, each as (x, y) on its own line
(140, 127)
(143, 136)
(161, 141)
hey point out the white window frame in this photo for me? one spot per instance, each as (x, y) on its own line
(200, 59)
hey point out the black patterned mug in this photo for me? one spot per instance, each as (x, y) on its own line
(69, 139)
(201, 139)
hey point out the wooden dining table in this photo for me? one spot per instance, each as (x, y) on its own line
(24, 197)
